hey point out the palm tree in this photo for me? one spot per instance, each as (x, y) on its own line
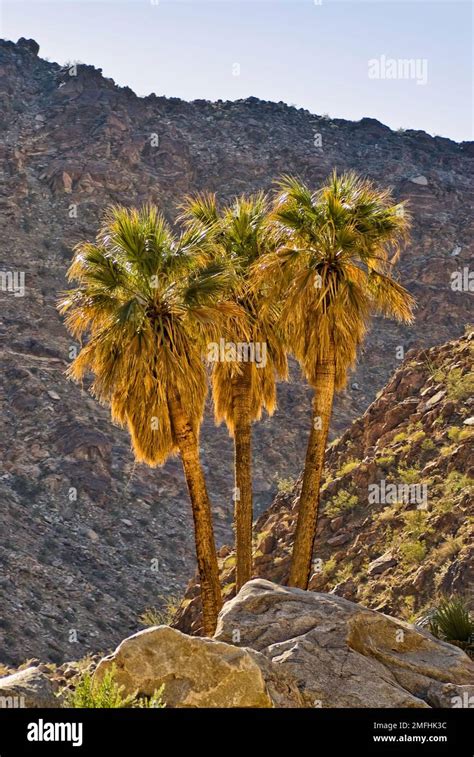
(149, 302)
(334, 254)
(243, 384)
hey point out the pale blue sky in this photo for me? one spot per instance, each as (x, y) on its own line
(306, 54)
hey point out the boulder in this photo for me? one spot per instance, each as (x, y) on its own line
(198, 672)
(381, 564)
(27, 688)
(450, 696)
(421, 180)
(435, 399)
(342, 538)
(342, 654)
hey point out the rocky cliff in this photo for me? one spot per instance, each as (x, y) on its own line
(87, 541)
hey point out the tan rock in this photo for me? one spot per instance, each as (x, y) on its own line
(67, 182)
(342, 654)
(382, 563)
(449, 695)
(435, 399)
(198, 672)
(410, 653)
(27, 688)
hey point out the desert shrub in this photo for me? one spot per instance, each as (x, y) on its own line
(285, 485)
(163, 616)
(385, 460)
(329, 566)
(451, 621)
(400, 437)
(409, 475)
(457, 482)
(418, 436)
(155, 702)
(449, 548)
(458, 434)
(389, 537)
(348, 467)
(453, 433)
(344, 573)
(412, 551)
(447, 450)
(437, 373)
(107, 694)
(389, 513)
(341, 503)
(151, 616)
(407, 610)
(460, 386)
(427, 445)
(416, 524)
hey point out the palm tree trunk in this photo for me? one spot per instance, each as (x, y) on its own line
(202, 515)
(243, 505)
(309, 499)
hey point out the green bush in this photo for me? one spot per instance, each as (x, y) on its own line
(409, 475)
(341, 503)
(385, 460)
(416, 524)
(453, 433)
(154, 616)
(344, 573)
(285, 485)
(460, 387)
(457, 482)
(412, 551)
(329, 566)
(348, 467)
(452, 622)
(457, 434)
(437, 373)
(107, 694)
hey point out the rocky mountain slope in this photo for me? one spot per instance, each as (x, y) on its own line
(87, 541)
(396, 529)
